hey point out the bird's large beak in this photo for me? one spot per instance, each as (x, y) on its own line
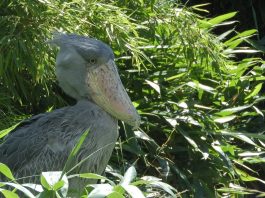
(109, 93)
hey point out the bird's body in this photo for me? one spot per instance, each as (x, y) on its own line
(86, 71)
(49, 138)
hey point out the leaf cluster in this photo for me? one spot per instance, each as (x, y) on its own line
(201, 105)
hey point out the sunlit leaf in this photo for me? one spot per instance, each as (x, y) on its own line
(153, 181)
(246, 177)
(129, 176)
(198, 85)
(54, 180)
(255, 91)
(133, 191)
(6, 171)
(229, 111)
(6, 131)
(154, 85)
(8, 194)
(222, 18)
(225, 119)
(100, 190)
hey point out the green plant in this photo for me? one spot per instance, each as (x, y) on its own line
(201, 104)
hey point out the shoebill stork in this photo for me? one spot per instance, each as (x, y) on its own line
(86, 71)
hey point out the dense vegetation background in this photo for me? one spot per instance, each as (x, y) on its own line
(199, 94)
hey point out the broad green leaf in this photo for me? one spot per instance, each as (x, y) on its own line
(246, 177)
(140, 182)
(4, 132)
(241, 163)
(245, 139)
(44, 182)
(51, 178)
(224, 119)
(58, 185)
(246, 33)
(255, 91)
(91, 176)
(118, 188)
(54, 180)
(197, 85)
(241, 36)
(229, 111)
(6, 171)
(8, 194)
(133, 191)
(115, 195)
(236, 133)
(221, 18)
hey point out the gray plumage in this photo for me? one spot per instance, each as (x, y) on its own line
(86, 71)
(43, 141)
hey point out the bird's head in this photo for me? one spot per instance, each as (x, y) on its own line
(85, 69)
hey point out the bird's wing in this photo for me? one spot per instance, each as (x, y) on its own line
(27, 139)
(43, 142)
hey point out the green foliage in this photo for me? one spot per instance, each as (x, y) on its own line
(201, 103)
(54, 185)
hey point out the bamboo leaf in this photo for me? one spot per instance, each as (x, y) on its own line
(154, 85)
(8, 194)
(225, 119)
(255, 91)
(6, 171)
(129, 176)
(133, 191)
(229, 111)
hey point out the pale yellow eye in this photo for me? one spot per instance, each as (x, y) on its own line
(92, 61)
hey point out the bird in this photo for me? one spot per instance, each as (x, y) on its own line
(86, 71)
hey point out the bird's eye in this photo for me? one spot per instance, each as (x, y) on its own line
(92, 61)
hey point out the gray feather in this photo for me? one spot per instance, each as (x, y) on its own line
(88, 48)
(44, 142)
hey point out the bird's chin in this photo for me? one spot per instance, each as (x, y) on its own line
(109, 93)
